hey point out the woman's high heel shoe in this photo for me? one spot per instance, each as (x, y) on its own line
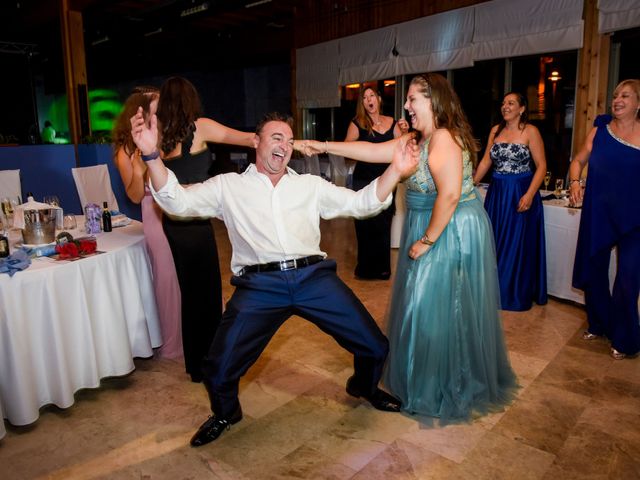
(617, 355)
(586, 335)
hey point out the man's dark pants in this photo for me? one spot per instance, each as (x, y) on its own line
(263, 301)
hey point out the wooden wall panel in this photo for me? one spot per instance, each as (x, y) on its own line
(593, 67)
(323, 20)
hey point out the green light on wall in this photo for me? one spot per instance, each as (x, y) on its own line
(104, 108)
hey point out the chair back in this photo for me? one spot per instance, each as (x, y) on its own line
(312, 165)
(94, 186)
(10, 184)
(338, 170)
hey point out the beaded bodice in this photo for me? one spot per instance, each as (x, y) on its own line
(422, 181)
(510, 158)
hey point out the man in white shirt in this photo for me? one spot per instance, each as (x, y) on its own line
(273, 216)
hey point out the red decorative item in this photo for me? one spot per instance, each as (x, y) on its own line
(76, 248)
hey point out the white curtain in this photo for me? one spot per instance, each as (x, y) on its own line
(453, 39)
(618, 15)
(367, 56)
(436, 42)
(508, 28)
(317, 84)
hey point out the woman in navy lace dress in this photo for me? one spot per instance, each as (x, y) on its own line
(514, 205)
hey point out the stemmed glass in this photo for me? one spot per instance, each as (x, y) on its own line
(51, 200)
(8, 206)
(69, 222)
(547, 179)
(559, 184)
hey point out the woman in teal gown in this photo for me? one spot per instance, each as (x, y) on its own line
(447, 355)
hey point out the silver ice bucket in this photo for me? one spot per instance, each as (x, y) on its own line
(39, 226)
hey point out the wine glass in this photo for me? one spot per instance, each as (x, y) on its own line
(559, 184)
(69, 222)
(51, 200)
(7, 209)
(547, 179)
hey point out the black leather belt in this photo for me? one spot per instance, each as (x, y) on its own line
(282, 265)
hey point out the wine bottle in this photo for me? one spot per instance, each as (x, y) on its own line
(106, 218)
(4, 245)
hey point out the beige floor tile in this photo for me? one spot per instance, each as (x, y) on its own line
(577, 415)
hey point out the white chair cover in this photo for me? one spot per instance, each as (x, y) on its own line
(10, 183)
(299, 165)
(325, 168)
(313, 165)
(338, 170)
(94, 186)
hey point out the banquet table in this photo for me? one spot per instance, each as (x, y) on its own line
(64, 325)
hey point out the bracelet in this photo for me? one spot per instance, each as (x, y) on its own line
(326, 146)
(152, 156)
(426, 241)
(575, 180)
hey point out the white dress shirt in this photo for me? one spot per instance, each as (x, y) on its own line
(268, 223)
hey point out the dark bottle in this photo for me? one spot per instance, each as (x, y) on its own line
(106, 218)
(4, 245)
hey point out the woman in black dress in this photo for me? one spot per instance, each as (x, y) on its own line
(373, 234)
(183, 144)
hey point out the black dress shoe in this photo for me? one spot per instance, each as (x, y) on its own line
(212, 429)
(379, 399)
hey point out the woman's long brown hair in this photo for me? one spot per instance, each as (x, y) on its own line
(121, 133)
(179, 107)
(363, 120)
(447, 110)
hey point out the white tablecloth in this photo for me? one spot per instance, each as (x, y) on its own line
(66, 325)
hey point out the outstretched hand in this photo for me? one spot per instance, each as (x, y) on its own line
(403, 126)
(145, 136)
(309, 147)
(406, 156)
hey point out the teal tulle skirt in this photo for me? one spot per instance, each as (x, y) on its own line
(447, 355)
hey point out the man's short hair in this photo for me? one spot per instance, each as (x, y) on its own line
(274, 117)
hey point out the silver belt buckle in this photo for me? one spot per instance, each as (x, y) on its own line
(288, 265)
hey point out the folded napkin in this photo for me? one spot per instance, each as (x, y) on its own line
(120, 220)
(18, 260)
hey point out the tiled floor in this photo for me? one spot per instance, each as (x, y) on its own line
(577, 416)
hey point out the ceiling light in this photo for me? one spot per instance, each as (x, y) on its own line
(555, 76)
(100, 40)
(256, 3)
(193, 10)
(353, 85)
(154, 32)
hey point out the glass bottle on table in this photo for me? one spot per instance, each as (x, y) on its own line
(4, 239)
(106, 218)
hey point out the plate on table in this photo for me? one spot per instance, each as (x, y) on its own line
(34, 245)
(120, 221)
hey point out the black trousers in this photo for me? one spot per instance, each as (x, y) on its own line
(195, 254)
(374, 240)
(263, 301)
